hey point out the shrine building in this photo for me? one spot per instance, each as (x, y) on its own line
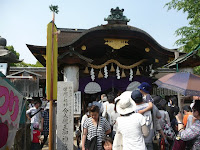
(110, 57)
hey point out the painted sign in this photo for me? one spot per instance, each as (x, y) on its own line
(10, 112)
(77, 103)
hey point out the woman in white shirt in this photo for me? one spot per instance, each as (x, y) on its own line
(130, 124)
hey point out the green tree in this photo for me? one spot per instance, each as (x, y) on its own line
(11, 48)
(22, 64)
(190, 35)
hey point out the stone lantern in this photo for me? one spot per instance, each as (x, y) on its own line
(6, 56)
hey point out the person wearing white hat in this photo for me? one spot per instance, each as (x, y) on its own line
(130, 124)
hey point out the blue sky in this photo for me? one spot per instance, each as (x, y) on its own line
(25, 21)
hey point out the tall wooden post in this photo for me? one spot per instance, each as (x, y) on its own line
(51, 82)
(51, 94)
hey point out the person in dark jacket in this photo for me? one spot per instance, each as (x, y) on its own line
(173, 111)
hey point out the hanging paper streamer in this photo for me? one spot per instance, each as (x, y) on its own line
(92, 74)
(112, 69)
(146, 69)
(105, 72)
(86, 70)
(118, 73)
(123, 74)
(138, 72)
(131, 75)
(151, 69)
(100, 75)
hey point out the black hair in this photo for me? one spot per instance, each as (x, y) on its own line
(187, 108)
(116, 105)
(94, 108)
(38, 101)
(111, 97)
(174, 100)
(156, 99)
(93, 97)
(197, 106)
(98, 97)
(35, 128)
(107, 139)
(88, 109)
(138, 100)
(161, 105)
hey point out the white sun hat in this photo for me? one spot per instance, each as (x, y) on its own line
(125, 104)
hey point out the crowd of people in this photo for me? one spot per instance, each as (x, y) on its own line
(135, 120)
(132, 120)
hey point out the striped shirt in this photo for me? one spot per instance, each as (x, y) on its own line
(103, 126)
(45, 115)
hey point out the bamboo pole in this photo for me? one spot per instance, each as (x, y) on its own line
(51, 144)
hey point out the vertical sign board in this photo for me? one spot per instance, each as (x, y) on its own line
(77, 103)
(3, 68)
(41, 92)
(65, 116)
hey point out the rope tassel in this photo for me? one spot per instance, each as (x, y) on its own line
(138, 72)
(123, 75)
(100, 75)
(112, 69)
(86, 71)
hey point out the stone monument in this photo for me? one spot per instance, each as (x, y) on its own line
(65, 116)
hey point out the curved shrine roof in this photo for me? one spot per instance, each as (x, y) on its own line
(96, 49)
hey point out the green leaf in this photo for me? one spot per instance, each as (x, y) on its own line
(54, 8)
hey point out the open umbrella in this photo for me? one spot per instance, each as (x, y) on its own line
(182, 82)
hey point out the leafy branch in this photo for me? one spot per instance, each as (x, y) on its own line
(54, 8)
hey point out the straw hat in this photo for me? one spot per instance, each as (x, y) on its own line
(125, 104)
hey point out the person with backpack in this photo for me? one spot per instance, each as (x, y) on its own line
(165, 124)
(145, 91)
(140, 105)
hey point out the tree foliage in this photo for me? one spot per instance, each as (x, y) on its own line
(22, 64)
(11, 48)
(190, 35)
(54, 8)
